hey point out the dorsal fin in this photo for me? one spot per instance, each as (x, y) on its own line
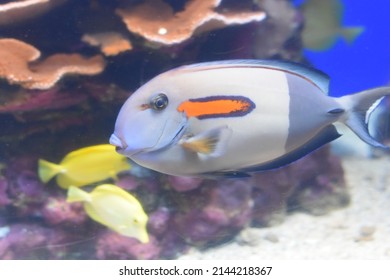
(320, 79)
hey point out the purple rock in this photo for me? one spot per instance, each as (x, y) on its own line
(4, 199)
(225, 210)
(183, 184)
(314, 183)
(25, 190)
(158, 221)
(271, 191)
(111, 245)
(30, 241)
(57, 211)
(172, 245)
(127, 182)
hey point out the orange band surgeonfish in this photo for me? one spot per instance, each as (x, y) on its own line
(217, 107)
(231, 118)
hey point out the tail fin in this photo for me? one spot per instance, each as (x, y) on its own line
(47, 170)
(358, 109)
(76, 194)
(350, 34)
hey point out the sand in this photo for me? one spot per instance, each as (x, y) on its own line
(358, 231)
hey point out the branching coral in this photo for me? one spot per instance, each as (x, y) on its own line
(16, 11)
(110, 43)
(157, 22)
(18, 66)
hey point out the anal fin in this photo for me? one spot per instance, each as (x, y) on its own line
(326, 135)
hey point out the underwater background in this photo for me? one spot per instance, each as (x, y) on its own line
(365, 63)
(67, 66)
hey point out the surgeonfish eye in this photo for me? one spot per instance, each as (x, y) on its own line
(159, 102)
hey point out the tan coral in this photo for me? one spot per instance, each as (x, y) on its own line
(110, 43)
(156, 21)
(17, 11)
(18, 66)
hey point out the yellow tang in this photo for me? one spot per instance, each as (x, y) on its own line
(84, 166)
(115, 208)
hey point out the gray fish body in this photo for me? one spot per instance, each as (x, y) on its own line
(230, 118)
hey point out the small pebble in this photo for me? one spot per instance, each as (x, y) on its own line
(271, 237)
(248, 237)
(4, 231)
(366, 234)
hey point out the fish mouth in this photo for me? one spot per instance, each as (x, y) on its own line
(118, 143)
(124, 149)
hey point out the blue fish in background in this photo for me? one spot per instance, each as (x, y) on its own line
(231, 118)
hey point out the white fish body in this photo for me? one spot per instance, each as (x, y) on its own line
(233, 117)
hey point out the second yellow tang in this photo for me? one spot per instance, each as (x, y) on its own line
(115, 208)
(84, 166)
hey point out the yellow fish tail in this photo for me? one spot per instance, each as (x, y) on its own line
(47, 170)
(77, 195)
(351, 33)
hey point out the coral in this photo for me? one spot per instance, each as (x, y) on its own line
(16, 11)
(25, 190)
(110, 43)
(56, 211)
(127, 182)
(321, 192)
(158, 221)
(300, 186)
(215, 212)
(4, 199)
(42, 100)
(158, 23)
(210, 212)
(182, 184)
(111, 245)
(17, 65)
(30, 112)
(29, 241)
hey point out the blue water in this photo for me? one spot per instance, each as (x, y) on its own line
(366, 63)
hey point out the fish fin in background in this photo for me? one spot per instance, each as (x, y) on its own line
(47, 170)
(328, 134)
(350, 34)
(211, 143)
(358, 108)
(77, 195)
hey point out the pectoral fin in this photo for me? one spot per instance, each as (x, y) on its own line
(212, 142)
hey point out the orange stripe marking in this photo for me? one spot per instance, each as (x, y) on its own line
(218, 106)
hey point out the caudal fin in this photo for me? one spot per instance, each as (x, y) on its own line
(76, 195)
(47, 170)
(351, 33)
(358, 108)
